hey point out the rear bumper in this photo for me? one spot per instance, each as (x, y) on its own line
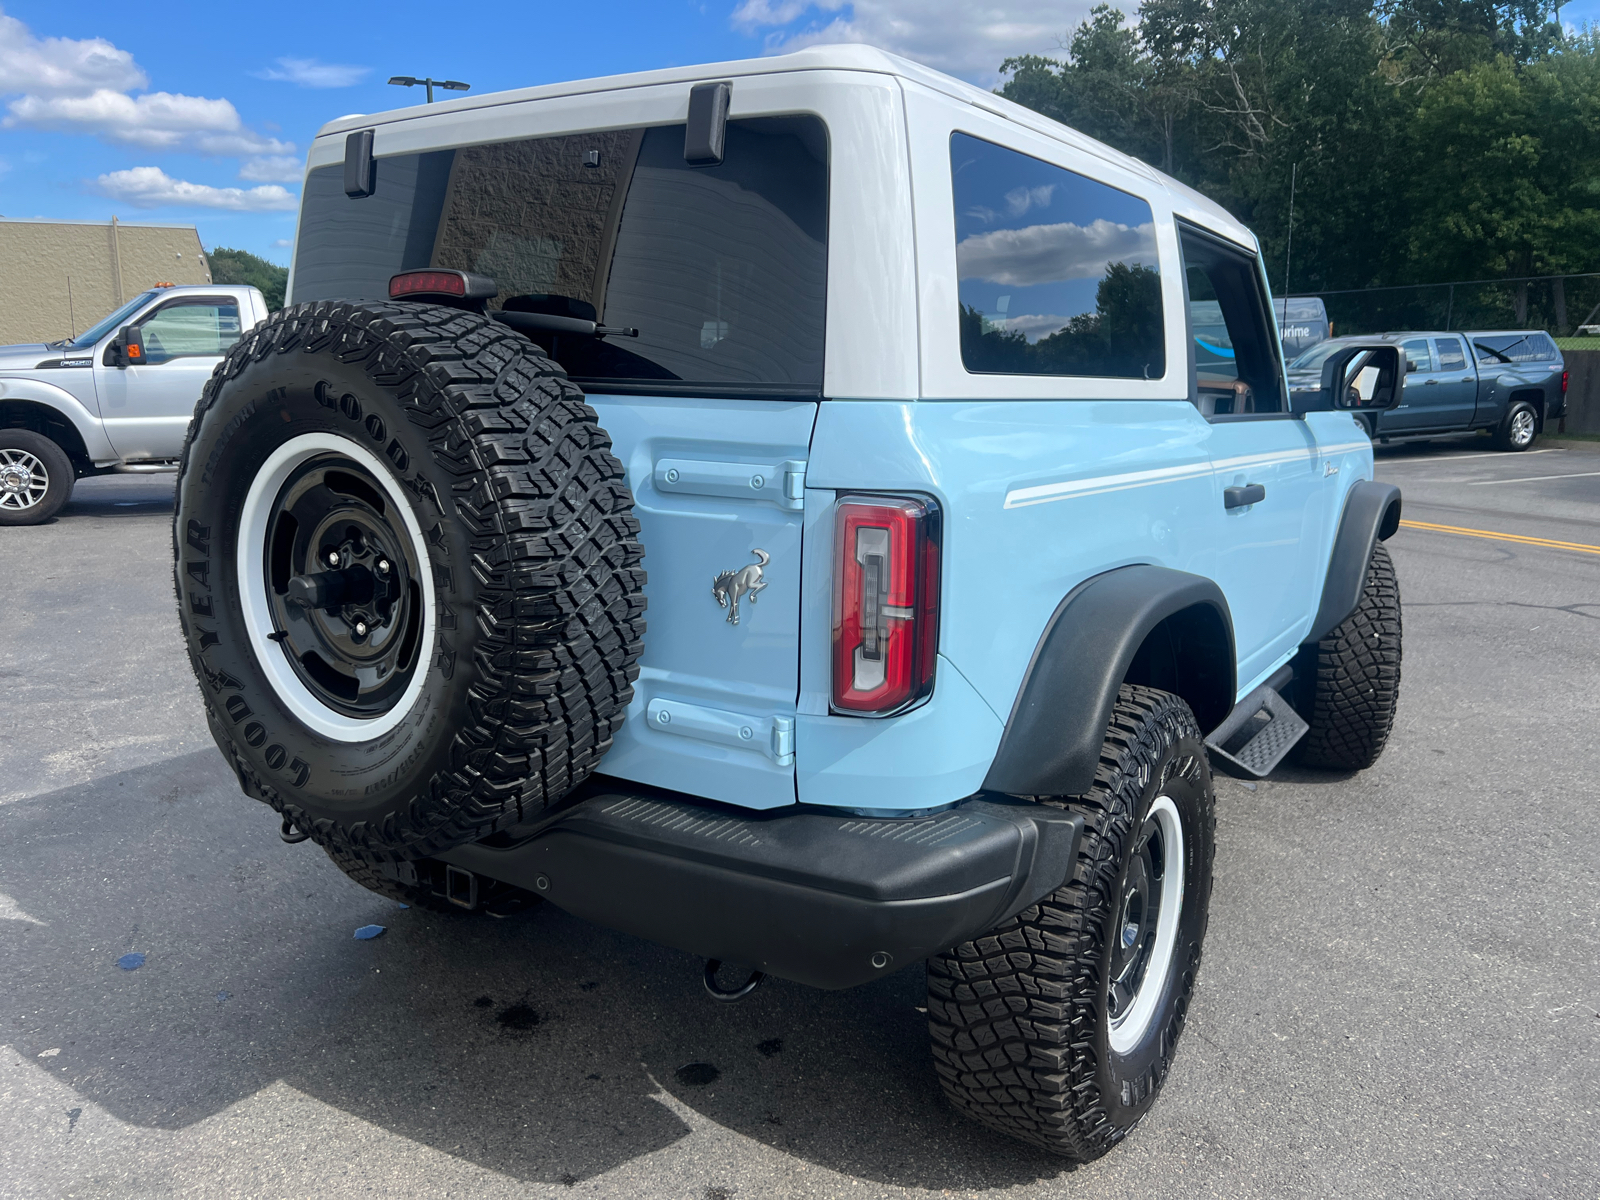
(820, 898)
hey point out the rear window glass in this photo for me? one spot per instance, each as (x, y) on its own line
(1518, 347)
(722, 270)
(1058, 273)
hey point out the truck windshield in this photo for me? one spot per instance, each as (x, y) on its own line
(1313, 358)
(721, 269)
(95, 332)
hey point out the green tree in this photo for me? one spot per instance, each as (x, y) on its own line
(242, 267)
(1428, 139)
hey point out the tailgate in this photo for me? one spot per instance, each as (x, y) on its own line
(715, 481)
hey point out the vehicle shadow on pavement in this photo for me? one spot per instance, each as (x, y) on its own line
(112, 496)
(536, 1046)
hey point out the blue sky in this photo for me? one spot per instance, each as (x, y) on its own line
(201, 113)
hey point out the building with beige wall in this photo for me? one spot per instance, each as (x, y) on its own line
(57, 278)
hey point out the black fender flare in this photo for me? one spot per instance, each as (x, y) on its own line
(1052, 740)
(1371, 515)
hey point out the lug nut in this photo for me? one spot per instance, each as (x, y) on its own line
(361, 629)
(383, 566)
(333, 558)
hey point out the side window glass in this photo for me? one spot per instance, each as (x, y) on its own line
(1450, 356)
(1236, 358)
(1058, 273)
(1418, 360)
(186, 330)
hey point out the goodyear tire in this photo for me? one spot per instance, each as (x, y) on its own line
(1059, 1026)
(1353, 678)
(408, 575)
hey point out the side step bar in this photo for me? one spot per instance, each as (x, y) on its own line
(822, 898)
(1259, 732)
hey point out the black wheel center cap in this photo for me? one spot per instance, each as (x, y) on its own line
(342, 586)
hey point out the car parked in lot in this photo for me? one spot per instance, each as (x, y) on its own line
(1509, 382)
(957, 557)
(116, 398)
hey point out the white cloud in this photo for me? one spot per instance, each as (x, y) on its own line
(1032, 326)
(277, 168)
(156, 120)
(151, 187)
(1020, 200)
(1053, 253)
(283, 243)
(754, 15)
(309, 73)
(969, 38)
(83, 87)
(61, 66)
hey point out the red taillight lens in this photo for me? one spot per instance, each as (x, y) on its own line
(428, 283)
(885, 602)
(1564, 376)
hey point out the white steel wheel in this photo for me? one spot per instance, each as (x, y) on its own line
(1147, 927)
(336, 587)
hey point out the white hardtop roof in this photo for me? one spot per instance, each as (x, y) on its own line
(839, 57)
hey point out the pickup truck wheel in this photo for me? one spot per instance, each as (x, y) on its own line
(1353, 678)
(1059, 1026)
(408, 574)
(36, 477)
(1519, 429)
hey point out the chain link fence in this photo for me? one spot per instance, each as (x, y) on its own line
(1557, 304)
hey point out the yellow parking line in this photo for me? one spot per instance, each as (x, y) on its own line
(1502, 537)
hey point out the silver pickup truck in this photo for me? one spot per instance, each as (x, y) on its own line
(1507, 382)
(116, 398)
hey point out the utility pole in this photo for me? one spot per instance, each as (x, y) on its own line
(449, 85)
(1288, 253)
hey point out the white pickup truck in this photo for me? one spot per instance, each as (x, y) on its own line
(117, 398)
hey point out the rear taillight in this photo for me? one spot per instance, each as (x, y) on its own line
(885, 602)
(1564, 375)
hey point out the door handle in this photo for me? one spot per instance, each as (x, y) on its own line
(1238, 497)
(1429, 382)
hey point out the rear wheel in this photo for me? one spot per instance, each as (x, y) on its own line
(36, 477)
(1520, 427)
(1353, 678)
(409, 575)
(1059, 1026)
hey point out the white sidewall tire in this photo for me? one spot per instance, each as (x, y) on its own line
(1128, 1031)
(250, 562)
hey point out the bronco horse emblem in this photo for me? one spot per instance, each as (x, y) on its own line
(729, 586)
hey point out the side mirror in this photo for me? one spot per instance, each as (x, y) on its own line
(1366, 377)
(130, 346)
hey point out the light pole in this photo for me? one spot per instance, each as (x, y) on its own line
(449, 85)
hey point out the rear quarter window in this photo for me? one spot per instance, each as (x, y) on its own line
(1058, 273)
(1518, 347)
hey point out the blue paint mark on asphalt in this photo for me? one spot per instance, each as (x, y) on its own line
(131, 962)
(405, 906)
(366, 933)
(221, 996)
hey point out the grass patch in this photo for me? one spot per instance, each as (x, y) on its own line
(1577, 343)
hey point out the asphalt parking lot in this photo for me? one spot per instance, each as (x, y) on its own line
(1401, 995)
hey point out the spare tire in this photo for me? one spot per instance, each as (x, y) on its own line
(408, 575)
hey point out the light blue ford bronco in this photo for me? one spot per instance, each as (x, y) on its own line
(965, 555)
